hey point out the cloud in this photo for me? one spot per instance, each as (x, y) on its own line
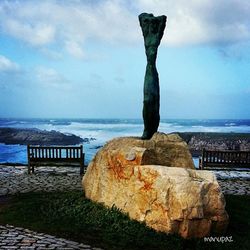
(119, 80)
(36, 34)
(12, 76)
(7, 66)
(50, 77)
(95, 81)
(71, 24)
(238, 50)
(74, 49)
(199, 22)
(51, 54)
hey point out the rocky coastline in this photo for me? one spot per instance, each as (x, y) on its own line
(215, 141)
(25, 136)
(196, 140)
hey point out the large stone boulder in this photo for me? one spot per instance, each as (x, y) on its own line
(169, 199)
(162, 149)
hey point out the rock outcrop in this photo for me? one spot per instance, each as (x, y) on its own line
(215, 141)
(169, 199)
(37, 137)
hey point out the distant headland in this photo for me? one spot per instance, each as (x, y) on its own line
(215, 141)
(37, 137)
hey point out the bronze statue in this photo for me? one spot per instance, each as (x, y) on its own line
(152, 30)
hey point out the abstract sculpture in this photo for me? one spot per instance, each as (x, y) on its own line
(152, 30)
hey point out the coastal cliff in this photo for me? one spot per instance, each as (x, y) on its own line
(37, 137)
(215, 141)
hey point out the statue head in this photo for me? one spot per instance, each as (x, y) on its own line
(152, 28)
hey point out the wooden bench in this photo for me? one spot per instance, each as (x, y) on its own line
(55, 155)
(229, 159)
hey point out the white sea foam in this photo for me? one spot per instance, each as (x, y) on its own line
(230, 124)
(104, 130)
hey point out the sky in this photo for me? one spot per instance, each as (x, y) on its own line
(86, 58)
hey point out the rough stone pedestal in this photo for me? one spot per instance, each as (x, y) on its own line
(169, 199)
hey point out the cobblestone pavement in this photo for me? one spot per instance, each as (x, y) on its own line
(12, 184)
(52, 170)
(20, 238)
(16, 180)
(235, 187)
(48, 179)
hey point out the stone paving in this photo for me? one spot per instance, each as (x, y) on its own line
(234, 182)
(12, 184)
(20, 238)
(235, 187)
(16, 180)
(47, 179)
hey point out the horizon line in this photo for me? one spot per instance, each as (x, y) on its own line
(119, 118)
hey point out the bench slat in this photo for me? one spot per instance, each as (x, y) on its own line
(38, 155)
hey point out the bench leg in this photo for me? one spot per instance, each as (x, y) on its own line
(82, 164)
(200, 166)
(29, 169)
(81, 169)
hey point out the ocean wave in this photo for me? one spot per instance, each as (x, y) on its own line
(59, 123)
(105, 129)
(231, 124)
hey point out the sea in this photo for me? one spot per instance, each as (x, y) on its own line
(102, 130)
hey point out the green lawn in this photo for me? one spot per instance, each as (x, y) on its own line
(72, 216)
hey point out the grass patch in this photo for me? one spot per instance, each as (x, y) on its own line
(71, 215)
